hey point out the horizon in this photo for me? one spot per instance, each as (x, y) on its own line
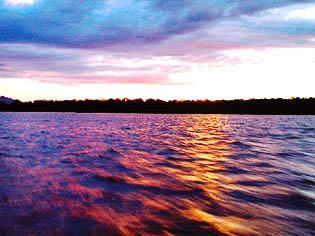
(293, 106)
(179, 50)
(155, 99)
(157, 117)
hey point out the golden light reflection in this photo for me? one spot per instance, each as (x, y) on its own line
(189, 182)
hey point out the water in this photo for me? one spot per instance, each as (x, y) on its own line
(133, 174)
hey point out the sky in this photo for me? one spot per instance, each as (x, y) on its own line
(175, 49)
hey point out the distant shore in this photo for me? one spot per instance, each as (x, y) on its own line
(295, 106)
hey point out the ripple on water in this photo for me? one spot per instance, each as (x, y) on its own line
(128, 174)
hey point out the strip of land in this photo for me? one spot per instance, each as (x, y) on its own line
(295, 106)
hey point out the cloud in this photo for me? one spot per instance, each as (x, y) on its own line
(292, 23)
(304, 14)
(70, 66)
(100, 23)
(19, 2)
(141, 41)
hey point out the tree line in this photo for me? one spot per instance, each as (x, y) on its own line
(252, 106)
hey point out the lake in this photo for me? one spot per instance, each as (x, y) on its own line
(142, 174)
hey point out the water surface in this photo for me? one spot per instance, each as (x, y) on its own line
(133, 174)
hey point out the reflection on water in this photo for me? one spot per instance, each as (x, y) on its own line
(116, 174)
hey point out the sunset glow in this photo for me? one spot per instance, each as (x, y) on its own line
(157, 117)
(143, 49)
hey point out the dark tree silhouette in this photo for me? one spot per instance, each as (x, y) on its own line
(253, 106)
